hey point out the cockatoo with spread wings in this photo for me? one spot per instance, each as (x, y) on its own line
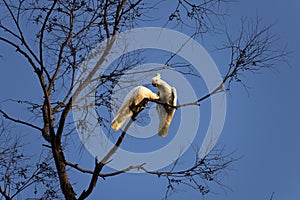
(168, 95)
(129, 105)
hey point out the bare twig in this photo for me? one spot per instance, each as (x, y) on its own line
(5, 115)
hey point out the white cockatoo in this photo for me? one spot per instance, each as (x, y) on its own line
(167, 95)
(129, 105)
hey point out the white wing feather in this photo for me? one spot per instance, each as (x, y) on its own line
(134, 97)
(166, 113)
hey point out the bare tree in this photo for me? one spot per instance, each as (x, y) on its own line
(19, 171)
(62, 35)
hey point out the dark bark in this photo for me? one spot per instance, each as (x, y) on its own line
(60, 160)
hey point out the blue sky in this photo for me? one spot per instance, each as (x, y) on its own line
(264, 126)
(261, 125)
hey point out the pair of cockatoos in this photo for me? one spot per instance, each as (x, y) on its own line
(167, 98)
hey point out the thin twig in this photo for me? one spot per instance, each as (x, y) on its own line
(19, 121)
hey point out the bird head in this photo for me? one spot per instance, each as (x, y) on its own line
(156, 80)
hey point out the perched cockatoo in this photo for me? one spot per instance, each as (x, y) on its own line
(167, 94)
(129, 105)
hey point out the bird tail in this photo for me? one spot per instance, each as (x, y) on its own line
(164, 126)
(121, 118)
(163, 132)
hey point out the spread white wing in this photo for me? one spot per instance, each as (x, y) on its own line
(133, 98)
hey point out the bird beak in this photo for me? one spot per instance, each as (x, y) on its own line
(154, 84)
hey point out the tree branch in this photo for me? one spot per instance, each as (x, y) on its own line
(43, 69)
(75, 166)
(6, 196)
(5, 115)
(100, 165)
(21, 37)
(61, 50)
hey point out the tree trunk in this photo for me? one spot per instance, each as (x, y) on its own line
(65, 184)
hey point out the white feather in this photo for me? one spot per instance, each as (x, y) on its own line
(167, 94)
(133, 98)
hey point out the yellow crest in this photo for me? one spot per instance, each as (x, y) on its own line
(158, 76)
